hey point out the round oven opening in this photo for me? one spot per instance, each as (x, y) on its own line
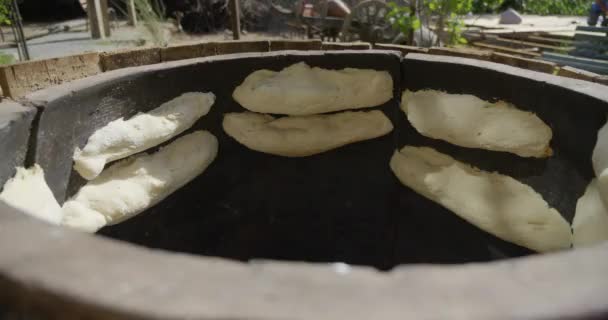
(343, 205)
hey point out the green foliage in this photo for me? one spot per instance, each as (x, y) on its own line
(542, 7)
(6, 58)
(402, 19)
(486, 6)
(5, 12)
(147, 12)
(449, 25)
(562, 7)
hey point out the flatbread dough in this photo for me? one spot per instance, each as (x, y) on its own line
(305, 135)
(467, 121)
(302, 90)
(495, 203)
(590, 224)
(122, 138)
(28, 191)
(135, 184)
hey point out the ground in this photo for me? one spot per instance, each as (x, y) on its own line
(78, 39)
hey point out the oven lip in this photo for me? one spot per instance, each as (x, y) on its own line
(65, 271)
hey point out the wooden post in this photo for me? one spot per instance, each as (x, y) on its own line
(105, 15)
(235, 18)
(93, 19)
(97, 10)
(131, 13)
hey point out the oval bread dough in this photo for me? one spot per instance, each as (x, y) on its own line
(590, 224)
(28, 191)
(302, 90)
(495, 203)
(133, 185)
(467, 121)
(122, 138)
(306, 135)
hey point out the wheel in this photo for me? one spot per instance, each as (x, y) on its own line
(367, 22)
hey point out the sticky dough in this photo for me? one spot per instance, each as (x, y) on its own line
(590, 224)
(467, 121)
(302, 90)
(122, 138)
(305, 135)
(493, 202)
(135, 184)
(28, 191)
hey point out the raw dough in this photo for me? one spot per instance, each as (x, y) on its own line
(120, 139)
(302, 90)
(467, 121)
(28, 191)
(590, 224)
(305, 135)
(135, 184)
(493, 202)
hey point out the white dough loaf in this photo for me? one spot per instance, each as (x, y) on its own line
(302, 136)
(495, 203)
(135, 184)
(302, 90)
(467, 121)
(590, 224)
(28, 191)
(122, 138)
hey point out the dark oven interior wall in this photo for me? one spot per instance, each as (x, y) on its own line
(336, 206)
(575, 119)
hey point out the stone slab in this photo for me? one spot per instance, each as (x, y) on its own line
(15, 126)
(129, 58)
(346, 46)
(280, 45)
(188, 51)
(403, 49)
(239, 46)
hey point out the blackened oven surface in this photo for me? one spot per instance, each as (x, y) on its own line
(343, 205)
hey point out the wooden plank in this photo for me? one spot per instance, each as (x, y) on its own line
(530, 64)
(592, 29)
(592, 65)
(590, 37)
(461, 52)
(506, 50)
(538, 45)
(537, 39)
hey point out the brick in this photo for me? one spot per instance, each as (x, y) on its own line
(461, 52)
(188, 51)
(129, 58)
(19, 79)
(403, 49)
(15, 123)
(530, 64)
(280, 45)
(237, 46)
(346, 46)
